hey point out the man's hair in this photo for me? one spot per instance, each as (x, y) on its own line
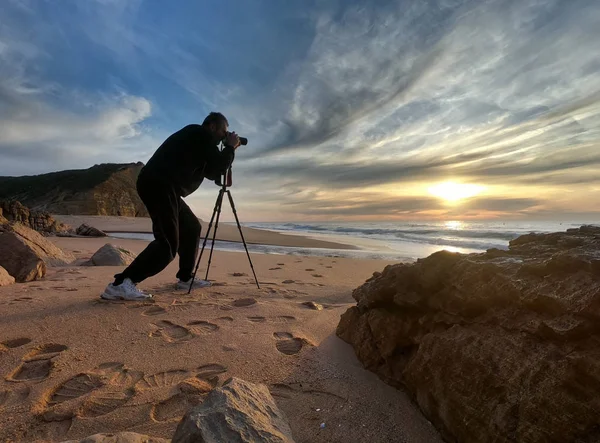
(214, 117)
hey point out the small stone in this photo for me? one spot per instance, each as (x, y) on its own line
(313, 305)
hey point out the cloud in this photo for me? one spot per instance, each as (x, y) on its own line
(353, 96)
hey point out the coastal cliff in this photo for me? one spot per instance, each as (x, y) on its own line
(106, 189)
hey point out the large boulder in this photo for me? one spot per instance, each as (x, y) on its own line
(502, 346)
(5, 277)
(110, 255)
(119, 437)
(25, 253)
(237, 412)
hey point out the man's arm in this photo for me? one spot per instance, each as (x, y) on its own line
(217, 162)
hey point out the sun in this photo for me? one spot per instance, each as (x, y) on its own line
(452, 192)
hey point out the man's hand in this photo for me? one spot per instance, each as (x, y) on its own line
(232, 139)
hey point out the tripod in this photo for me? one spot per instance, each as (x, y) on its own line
(226, 183)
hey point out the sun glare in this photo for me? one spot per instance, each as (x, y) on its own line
(452, 192)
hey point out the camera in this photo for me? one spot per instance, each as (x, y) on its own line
(243, 140)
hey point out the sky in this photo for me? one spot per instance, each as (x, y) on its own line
(354, 110)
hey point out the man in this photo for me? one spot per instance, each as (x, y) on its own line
(175, 170)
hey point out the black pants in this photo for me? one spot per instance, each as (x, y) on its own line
(176, 230)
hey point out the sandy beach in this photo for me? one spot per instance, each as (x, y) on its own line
(74, 365)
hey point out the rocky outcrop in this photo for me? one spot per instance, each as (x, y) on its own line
(237, 412)
(502, 346)
(25, 253)
(105, 189)
(119, 437)
(41, 221)
(89, 231)
(110, 255)
(5, 278)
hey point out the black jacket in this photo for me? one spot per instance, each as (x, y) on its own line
(186, 158)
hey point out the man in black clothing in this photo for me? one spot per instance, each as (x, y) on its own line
(176, 170)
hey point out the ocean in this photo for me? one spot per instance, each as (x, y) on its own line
(403, 241)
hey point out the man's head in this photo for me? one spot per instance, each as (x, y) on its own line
(217, 125)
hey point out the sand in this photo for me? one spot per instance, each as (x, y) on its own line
(74, 365)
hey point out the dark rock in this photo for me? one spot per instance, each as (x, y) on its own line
(89, 231)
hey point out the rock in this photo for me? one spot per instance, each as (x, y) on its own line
(313, 305)
(89, 231)
(25, 253)
(119, 437)
(237, 412)
(41, 221)
(110, 255)
(506, 342)
(5, 278)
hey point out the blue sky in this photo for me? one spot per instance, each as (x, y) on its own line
(355, 110)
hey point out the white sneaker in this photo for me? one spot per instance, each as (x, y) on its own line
(125, 291)
(197, 284)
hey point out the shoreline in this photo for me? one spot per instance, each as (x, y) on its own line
(225, 232)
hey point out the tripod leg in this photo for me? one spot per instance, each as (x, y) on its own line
(218, 203)
(243, 240)
(215, 232)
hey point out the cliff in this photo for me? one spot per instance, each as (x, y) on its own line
(502, 346)
(106, 189)
(41, 221)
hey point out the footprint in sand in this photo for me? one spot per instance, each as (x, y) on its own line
(92, 394)
(309, 269)
(191, 391)
(274, 269)
(114, 394)
(281, 264)
(201, 327)
(16, 342)
(75, 387)
(282, 335)
(154, 310)
(210, 373)
(227, 319)
(239, 274)
(162, 379)
(317, 275)
(243, 302)
(37, 364)
(257, 319)
(330, 267)
(288, 344)
(287, 282)
(10, 398)
(191, 387)
(171, 332)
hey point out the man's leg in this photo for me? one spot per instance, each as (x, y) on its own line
(163, 207)
(189, 239)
